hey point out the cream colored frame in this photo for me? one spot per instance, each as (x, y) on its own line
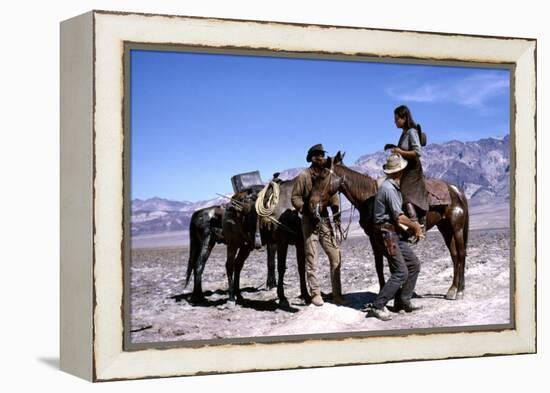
(92, 193)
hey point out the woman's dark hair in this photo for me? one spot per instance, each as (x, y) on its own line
(405, 113)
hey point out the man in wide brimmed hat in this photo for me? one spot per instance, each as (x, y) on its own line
(315, 231)
(404, 265)
(315, 151)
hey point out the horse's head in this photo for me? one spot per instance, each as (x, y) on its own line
(325, 185)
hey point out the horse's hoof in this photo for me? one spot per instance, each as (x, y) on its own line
(196, 299)
(231, 304)
(271, 284)
(451, 294)
(306, 298)
(460, 295)
(283, 303)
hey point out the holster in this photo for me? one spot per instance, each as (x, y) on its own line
(389, 237)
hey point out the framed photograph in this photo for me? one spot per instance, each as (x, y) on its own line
(223, 196)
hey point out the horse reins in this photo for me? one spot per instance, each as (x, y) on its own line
(339, 234)
(343, 234)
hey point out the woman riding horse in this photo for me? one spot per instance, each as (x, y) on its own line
(413, 187)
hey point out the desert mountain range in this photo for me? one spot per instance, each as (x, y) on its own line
(481, 168)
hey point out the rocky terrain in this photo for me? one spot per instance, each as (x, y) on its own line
(161, 312)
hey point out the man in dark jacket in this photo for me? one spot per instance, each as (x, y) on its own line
(404, 265)
(315, 231)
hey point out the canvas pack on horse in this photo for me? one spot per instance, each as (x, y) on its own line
(448, 211)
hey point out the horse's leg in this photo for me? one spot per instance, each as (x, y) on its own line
(244, 252)
(462, 243)
(282, 249)
(378, 261)
(271, 279)
(459, 226)
(461, 252)
(229, 269)
(301, 261)
(205, 250)
(446, 230)
(194, 253)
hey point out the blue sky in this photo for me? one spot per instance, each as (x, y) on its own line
(197, 119)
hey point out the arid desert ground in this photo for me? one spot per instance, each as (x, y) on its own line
(160, 311)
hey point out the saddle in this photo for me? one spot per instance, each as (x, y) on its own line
(438, 192)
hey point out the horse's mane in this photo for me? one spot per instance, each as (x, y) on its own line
(361, 185)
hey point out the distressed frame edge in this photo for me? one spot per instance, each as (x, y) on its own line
(173, 48)
(302, 24)
(525, 179)
(76, 196)
(526, 338)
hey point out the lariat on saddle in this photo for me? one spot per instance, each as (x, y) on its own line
(266, 206)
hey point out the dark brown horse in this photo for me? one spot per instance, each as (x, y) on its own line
(205, 231)
(235, 227)
(286, 230)
(451, 218)
(238, 227)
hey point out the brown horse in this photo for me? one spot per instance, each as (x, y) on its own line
(206, 230)
(451, 219)
(239, 224)
(235, 226)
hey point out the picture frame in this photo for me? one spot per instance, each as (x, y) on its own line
(93, 192)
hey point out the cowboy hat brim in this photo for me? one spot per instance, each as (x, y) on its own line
(312, 153)
(402, 165)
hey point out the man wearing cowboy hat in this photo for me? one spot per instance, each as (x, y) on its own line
(315, 231)
(404, 265)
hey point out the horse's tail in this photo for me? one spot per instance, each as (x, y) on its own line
(464, 201)
(194, 245)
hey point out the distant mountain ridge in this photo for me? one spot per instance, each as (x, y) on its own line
(481, 168)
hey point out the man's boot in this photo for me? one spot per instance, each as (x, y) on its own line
(316, 299)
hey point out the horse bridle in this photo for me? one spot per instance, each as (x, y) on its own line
(340, 234)
(318, 205)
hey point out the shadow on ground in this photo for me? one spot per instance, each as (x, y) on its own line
(50, 362)
(255, 304)
(355, 300)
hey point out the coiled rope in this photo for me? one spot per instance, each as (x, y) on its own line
(266, 209)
